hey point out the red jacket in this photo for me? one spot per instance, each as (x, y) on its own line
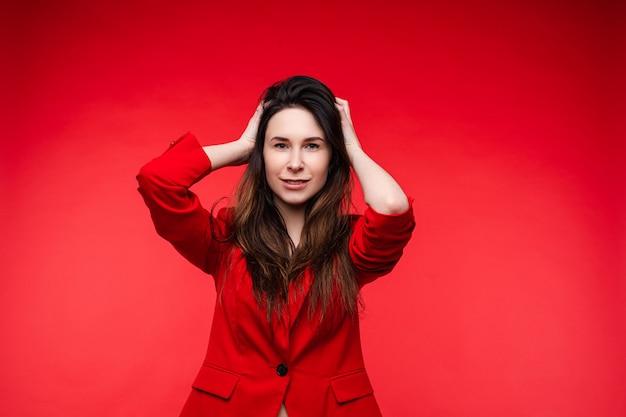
(250, 369)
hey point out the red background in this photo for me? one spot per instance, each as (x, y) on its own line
(504, 120)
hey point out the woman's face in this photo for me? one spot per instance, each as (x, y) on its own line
(296, 157)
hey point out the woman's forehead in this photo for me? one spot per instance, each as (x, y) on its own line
(292, 123)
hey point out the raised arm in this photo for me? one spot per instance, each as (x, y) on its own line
(176, 211)
(381, 192)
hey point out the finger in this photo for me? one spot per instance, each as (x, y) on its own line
(345, 108)
(257, 113)
(344, 104)
(342, 112)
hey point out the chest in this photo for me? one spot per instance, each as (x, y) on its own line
(248, 319)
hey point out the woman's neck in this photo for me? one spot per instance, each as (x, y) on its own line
(294, 221)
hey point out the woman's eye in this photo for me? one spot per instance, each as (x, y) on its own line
(312, 146)
(280, 146)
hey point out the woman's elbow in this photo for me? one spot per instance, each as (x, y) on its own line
(393, 204)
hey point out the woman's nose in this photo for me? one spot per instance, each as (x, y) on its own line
(295, 162)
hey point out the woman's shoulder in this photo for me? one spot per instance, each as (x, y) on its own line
(354, 218)
(225, 214)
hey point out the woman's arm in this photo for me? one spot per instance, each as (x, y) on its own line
(176, 211)
(236, 152)
(381, 192)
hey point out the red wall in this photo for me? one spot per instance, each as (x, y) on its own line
(502, 120)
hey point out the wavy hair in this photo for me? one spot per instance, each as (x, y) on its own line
(260, 231)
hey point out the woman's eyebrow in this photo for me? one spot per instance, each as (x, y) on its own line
(311, 139)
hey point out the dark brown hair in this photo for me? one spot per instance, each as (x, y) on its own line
(260, 231)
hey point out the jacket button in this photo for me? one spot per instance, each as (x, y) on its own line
(281, 369)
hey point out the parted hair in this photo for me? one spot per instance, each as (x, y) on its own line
(260, 231)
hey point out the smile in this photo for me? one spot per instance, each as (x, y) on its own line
(294, 184)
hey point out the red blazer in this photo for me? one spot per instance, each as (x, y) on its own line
(251, 369)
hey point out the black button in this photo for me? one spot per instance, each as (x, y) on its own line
(281, 369)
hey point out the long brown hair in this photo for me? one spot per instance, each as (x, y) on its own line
(260, 231)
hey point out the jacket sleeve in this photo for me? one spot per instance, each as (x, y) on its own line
(176, 212)
(378, 241)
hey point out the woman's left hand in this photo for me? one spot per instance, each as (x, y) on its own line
(381, 191)
(349, 134)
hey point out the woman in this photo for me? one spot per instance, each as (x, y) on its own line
(288, 260)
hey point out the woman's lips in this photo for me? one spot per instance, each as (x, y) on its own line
(295, 184)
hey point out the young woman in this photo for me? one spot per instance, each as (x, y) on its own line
(288, 260)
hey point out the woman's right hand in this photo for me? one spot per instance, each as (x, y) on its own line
(236, 152)
(248, 137)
